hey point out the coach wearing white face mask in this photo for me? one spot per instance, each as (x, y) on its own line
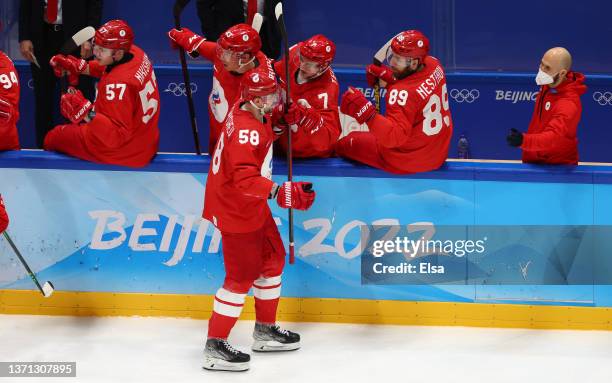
(551, 136)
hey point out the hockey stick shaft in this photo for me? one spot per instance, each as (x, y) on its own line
(23, 262)
(378, 60)
(283, 30)
(178, 8)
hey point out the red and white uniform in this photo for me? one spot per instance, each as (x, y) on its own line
(551, 137)
(236, 201)
(124, 130)
(4, 219)
(225, 89)
(320, 94)
(9, 92)
(415, 132)
(239, 179)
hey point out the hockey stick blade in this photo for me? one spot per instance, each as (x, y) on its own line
(278, 10)
(48, 289)
(77, 40)
(381, 54)
(257, 21)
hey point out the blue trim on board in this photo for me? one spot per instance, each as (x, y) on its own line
(330, 167)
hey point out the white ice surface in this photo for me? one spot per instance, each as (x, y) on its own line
(140, 349)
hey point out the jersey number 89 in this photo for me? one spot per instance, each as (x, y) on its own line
(432, 113)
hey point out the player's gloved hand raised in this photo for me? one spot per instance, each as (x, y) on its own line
(74, 106)
(186, 39)
(515, 138)
(71, 65)
(6, 111)
(356, 105)
(304, 118)
(382, 72)
(296, 195)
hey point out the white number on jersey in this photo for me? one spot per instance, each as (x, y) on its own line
(149, 105)
(323, 96)
(216, 161)
(432, 113)
(246, 135)
(7, 81)
(398, 96)
(110, 91)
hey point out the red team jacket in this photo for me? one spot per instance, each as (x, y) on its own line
(9, 91)
(551, 137)
(4, 219)
(418, 127)
(124, 130)
(322, 95)
(225, 90)
(239, 179)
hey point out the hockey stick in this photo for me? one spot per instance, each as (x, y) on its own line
(179, 5)
(77, 40)
(378, 59)
(257, 21)
(47, 288)
(278, 11)
(73, 43)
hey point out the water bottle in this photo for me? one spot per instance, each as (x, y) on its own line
(463, 148)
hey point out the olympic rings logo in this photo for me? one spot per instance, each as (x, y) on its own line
(603, 98)
(179, 89)
(465, 95)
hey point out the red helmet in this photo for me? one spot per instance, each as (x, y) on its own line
(258, 82)
(318, 49)
(115, 34)
(411, 44)
(240, 38)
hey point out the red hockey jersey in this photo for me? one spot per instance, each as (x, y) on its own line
(9, 92)
(239, 179)
(551, 137)
(124, 130)
(225, 90)
(4, 219)
(320, 94)
(415, 132)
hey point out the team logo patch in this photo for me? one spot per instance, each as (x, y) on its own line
(547, 105)
(328, 49)
(122, 33)
(255, 77)
(215, 97)
(420, 43)
(245, 37)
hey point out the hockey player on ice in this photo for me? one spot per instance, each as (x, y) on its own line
(237, 189)
(414, 134)
(122, 127)
(313, 114)
(235, 53)
(9, 104)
